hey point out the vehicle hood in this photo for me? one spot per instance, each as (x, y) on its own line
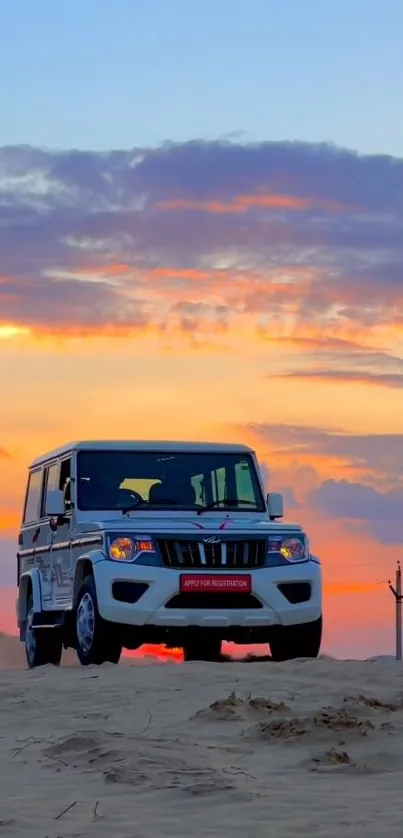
(203, 524)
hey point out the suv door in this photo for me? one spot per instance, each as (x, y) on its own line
(35, 536)
(61, 543)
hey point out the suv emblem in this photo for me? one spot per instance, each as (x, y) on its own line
(212, 539)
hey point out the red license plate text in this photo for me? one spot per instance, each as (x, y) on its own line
(228, 584)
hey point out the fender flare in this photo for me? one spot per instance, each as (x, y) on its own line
(83, 566)
(29, 581)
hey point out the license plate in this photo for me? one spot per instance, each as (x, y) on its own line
(229, 584)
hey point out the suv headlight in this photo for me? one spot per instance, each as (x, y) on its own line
(293, 548)
(126, 549)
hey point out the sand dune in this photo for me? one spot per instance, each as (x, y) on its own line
(305, 747)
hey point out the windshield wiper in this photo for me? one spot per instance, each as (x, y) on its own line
(145, 504)
(227, 502)
(135, 505)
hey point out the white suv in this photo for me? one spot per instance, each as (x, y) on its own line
(125, 543)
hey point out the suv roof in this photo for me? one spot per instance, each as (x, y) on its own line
(142, 445)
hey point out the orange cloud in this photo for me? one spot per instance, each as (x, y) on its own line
(184, 273)
(346, 377)
(108, 270)
(243, 203)
(130, 301)
(153, 303)
(308, 337)
(245, 297)
(336, 334)
(168, 336)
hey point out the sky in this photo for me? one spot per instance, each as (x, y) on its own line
(101, 75)
(201, 211)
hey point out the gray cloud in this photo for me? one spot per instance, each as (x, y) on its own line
(270, 485)
(328, 173)
(342, 360)
(290, 501)
(66, 212)
(380, 513)
(363, 508)
(380, 454)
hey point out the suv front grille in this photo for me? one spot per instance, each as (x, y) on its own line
(223, 554)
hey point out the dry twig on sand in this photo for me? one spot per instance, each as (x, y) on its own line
(64, 812)
(95, 816)
(149, 722)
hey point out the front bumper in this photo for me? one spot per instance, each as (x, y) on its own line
(164, 584)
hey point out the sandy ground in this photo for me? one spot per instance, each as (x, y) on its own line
(230, 749)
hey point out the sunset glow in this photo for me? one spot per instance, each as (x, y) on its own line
(264, 307)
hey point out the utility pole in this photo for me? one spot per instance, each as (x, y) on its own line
(397, 593)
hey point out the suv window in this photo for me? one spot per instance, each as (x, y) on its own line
(65, 481)
(219, 484)
(31, 512)
(177, 480)
(199, 487)
(244, 483)
(49, 482)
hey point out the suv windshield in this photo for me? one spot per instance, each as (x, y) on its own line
(178, 480)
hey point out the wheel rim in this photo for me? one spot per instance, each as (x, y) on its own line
(30, 637)
(85, 623)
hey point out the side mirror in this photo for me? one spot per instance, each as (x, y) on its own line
(55, 504)
(275, 505)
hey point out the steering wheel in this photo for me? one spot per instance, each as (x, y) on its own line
(130, 497)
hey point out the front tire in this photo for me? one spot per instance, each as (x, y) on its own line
(42, 646)
(95, 640)
(202, 648)
(300, 641)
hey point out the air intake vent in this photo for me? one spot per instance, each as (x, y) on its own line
(213, 601)
(296, 592)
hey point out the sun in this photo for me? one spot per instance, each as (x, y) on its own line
(11, 331)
